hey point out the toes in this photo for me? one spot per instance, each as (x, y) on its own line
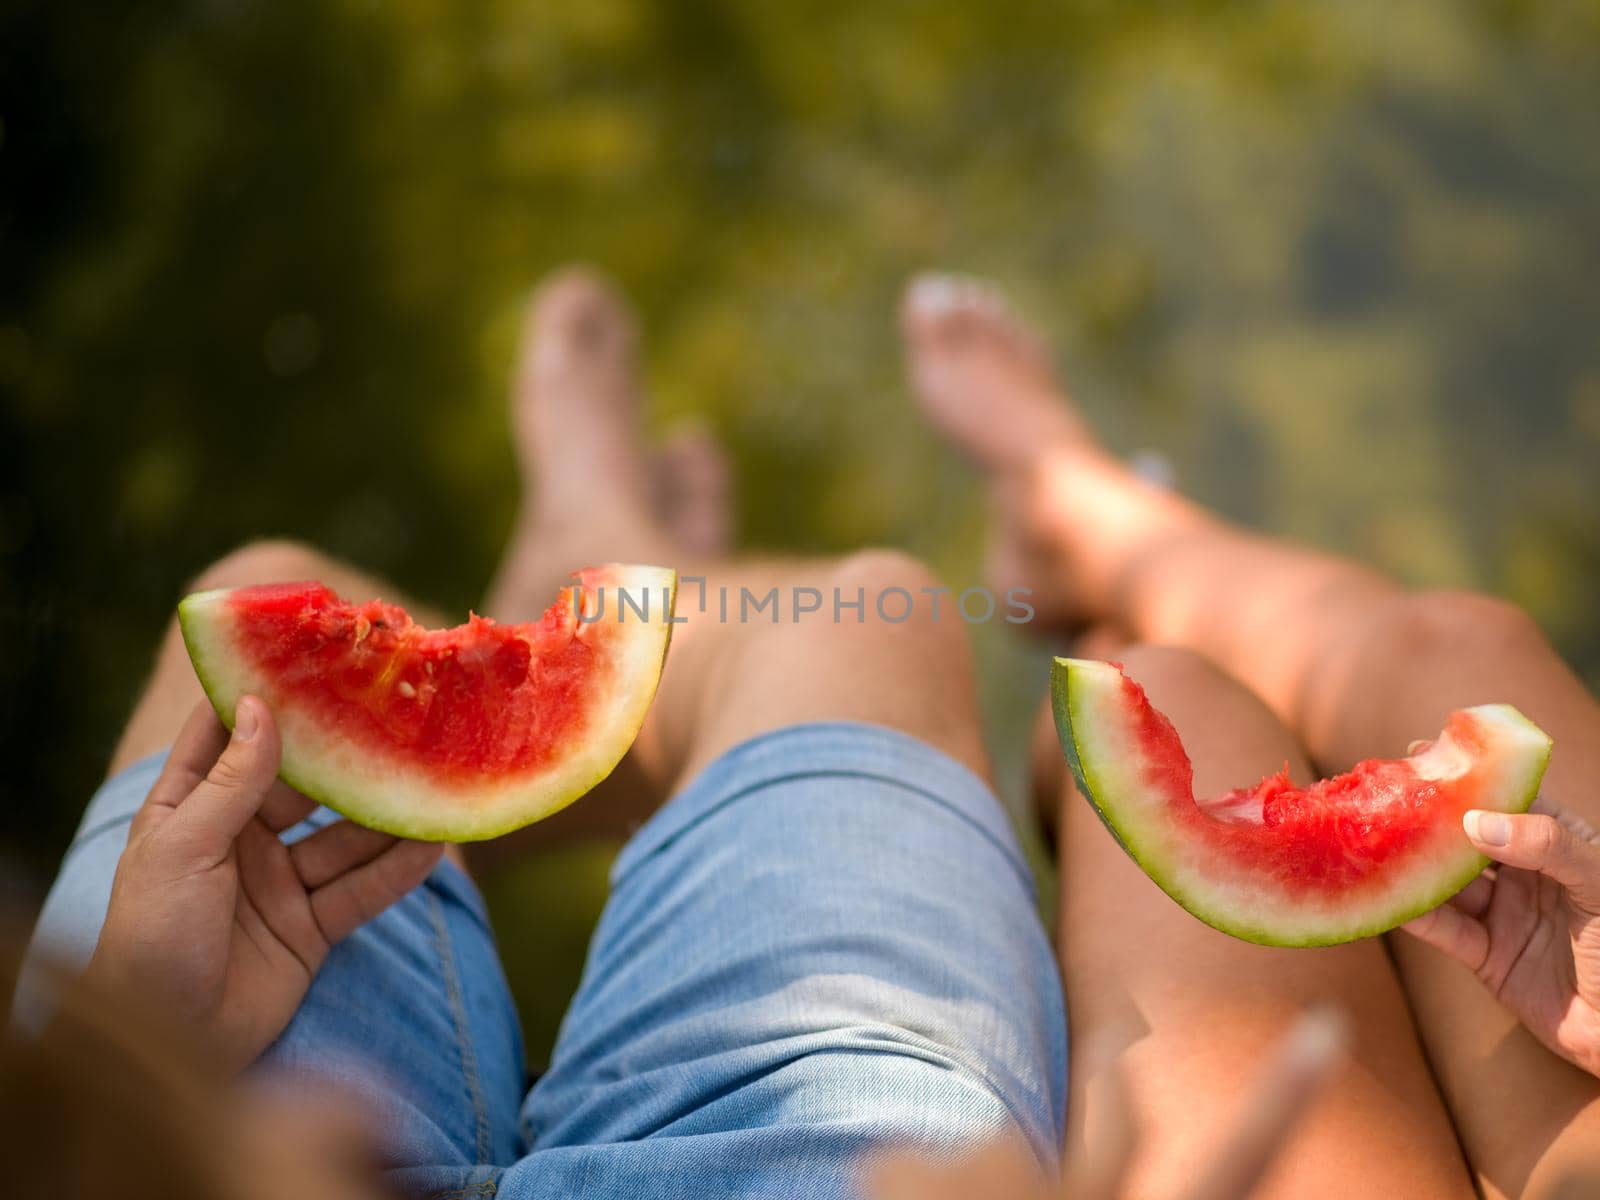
(693, 454)
(694, 485)
(578, 309)
(941, 307)
(574, 292)
(942, 312)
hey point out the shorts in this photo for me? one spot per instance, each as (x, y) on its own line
(825, 944)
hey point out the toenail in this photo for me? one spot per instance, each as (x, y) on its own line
(935, 293)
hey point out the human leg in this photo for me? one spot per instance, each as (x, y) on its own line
(172, 690)
(824, 940)
(1351, 662)
(823, 943)
(410, 1012)
(1358, 668)
(576, 413)
(1200, 1011)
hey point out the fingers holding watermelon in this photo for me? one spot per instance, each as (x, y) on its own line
(1556, 844)
(238, 783)
(216, 926)
(1276, 863)
(202, 754)
(1529, 928)
(450, 735)
(1457, 931)
(1379, 847)
(374, 871)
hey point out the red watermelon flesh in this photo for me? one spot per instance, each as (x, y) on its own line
(449, 734)
(1280, 864)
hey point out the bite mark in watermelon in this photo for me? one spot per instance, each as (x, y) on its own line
(1282, 865)
(449, 734)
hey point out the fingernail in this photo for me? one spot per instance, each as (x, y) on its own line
(245, 721)
(1492, 829)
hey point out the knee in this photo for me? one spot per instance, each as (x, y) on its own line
(1181, 681)
(269, 561)
(871, 610)
(1454, 624)
(875, 572)
(1174, 667)
(1232, 737)
(899, 597)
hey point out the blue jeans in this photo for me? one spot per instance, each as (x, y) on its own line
(825, 944)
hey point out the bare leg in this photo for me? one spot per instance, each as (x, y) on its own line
(1356, 667)
(1201, 1009)
(590, 498)
(594, 495)
(694, 491)
(576, 416)
(173, 690)
(576, 421)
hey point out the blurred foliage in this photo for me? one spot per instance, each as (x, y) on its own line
(263, 265)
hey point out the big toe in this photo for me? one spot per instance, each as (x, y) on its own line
(939, 310)
(579, 310)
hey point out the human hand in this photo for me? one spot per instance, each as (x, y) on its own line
(215, 926)
(1530, 926)
(1305, 1060)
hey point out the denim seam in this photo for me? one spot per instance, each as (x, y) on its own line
(915, 1047)
(487, 1188)
(458, 1014)
(95, 831)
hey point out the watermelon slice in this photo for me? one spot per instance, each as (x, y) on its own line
(1282, 865)
(444, 735)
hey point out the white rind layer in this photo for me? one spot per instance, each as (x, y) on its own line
(1102, 748)
(401, 800)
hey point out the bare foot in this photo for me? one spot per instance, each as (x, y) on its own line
(694, 492)
(576, 410)
(592, 493)
(983, 378)
(577, 402)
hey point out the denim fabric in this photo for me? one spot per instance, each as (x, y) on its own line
(825, 944)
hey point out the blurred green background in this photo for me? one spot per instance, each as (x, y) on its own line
(263, 264)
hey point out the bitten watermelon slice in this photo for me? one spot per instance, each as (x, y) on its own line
(1286, 866)
(443, 735)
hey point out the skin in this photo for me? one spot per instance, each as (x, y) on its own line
(577, 389)
(215, 926)
(222, 927)
(728, 682)
(1502, 983)
(1200, 1011)
(1300, 1067)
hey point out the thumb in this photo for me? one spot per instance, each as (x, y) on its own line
(1540, 842)
(233, 790)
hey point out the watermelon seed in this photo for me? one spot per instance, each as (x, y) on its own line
(406, 690)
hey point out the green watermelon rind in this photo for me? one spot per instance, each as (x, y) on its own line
(1063, 673)
(191, 624)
